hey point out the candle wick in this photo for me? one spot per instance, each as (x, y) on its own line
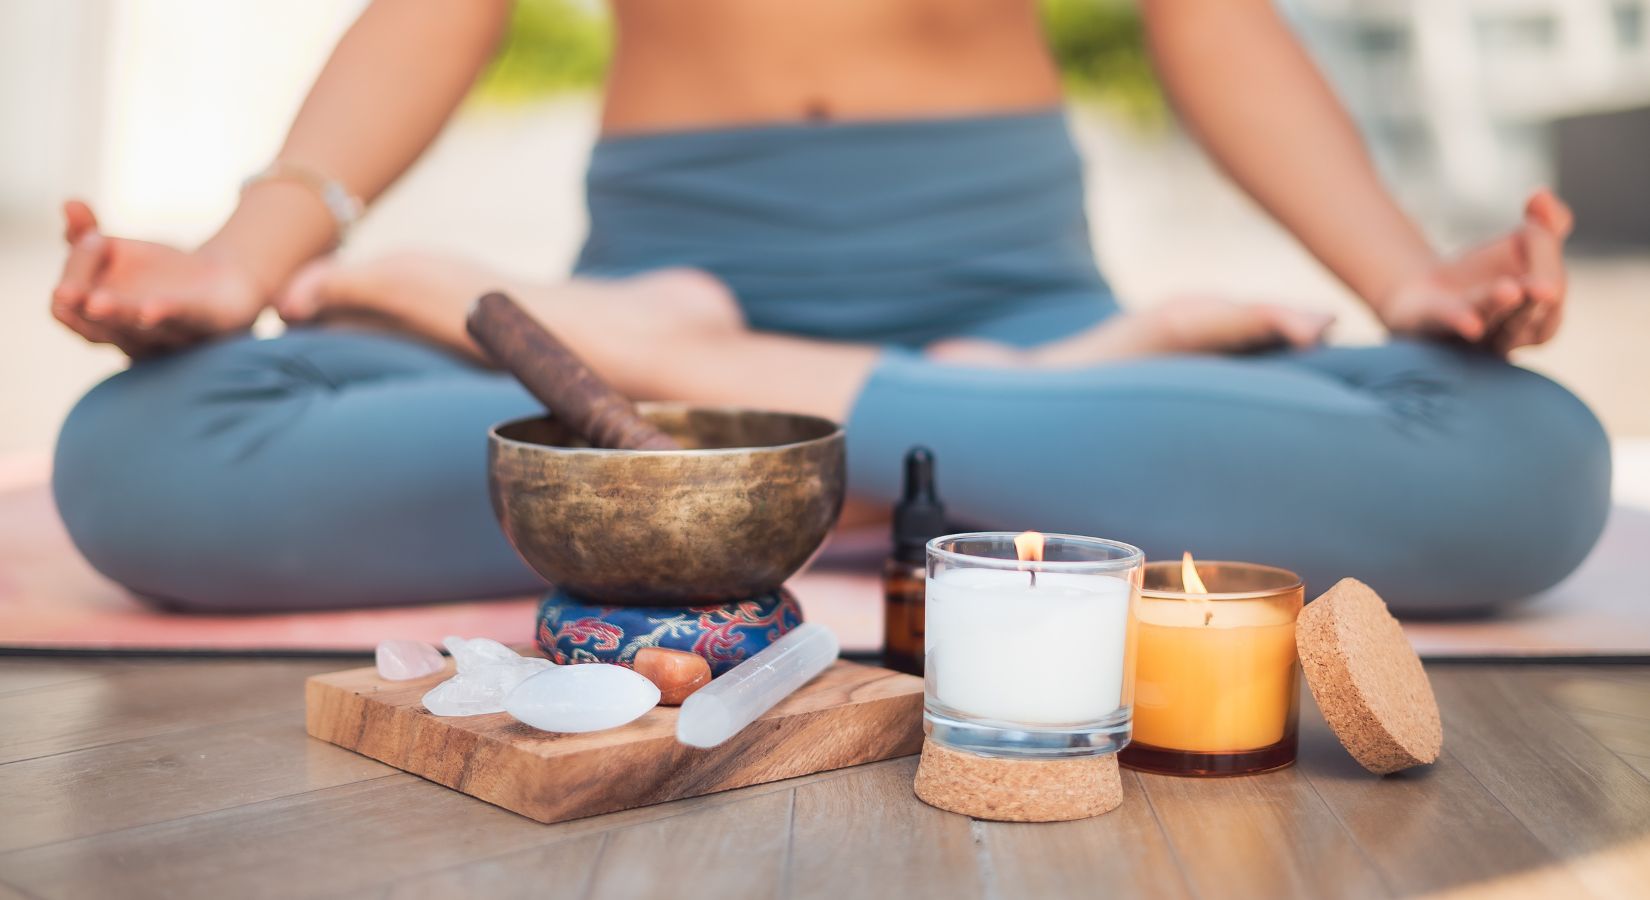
(1207, 617)
(1033, 577)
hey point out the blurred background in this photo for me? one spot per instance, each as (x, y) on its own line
(156, 109)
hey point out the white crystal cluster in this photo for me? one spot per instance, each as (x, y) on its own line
(493, 678)
(487, 672)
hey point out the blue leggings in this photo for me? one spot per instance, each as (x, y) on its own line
(328, 469)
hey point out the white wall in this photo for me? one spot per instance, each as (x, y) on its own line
(51, 105)
(156, 109)
(199, 94)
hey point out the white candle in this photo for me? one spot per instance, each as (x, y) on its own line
(1050, 654)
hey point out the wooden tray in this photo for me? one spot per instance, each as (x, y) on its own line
(851, 714)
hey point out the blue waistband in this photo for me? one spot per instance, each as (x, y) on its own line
(894, 231)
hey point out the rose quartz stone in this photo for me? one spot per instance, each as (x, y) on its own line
(406, 660)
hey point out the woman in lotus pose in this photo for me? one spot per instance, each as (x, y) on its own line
(866, 209)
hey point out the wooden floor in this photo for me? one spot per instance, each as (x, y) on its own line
(180, 779)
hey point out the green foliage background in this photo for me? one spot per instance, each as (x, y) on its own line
(552, 46)
(563, 45)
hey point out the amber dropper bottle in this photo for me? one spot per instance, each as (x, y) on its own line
(918, 518)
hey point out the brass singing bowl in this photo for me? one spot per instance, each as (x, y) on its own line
(732, 516)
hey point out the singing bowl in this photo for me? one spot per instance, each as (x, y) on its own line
(733, 515)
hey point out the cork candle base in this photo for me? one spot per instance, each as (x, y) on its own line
(1018, 790)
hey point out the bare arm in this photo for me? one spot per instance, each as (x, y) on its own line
(1248, 91)
(394, 79)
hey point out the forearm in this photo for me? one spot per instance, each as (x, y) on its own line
(1246, 88)
(389, 86)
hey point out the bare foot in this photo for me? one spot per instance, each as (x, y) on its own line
(1184, 325)
(421, 295)
(616, 325)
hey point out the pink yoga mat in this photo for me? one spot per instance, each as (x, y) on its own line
(51, 600)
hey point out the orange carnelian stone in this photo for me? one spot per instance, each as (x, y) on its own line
(677, 673)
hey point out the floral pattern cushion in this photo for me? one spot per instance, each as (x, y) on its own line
(572, 631)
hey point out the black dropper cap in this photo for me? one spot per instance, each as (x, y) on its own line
(919, 517)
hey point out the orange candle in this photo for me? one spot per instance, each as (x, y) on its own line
(1216, 672)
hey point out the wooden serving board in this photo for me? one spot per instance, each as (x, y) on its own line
(851, 714)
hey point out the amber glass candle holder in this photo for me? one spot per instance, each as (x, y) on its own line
(1217, 677)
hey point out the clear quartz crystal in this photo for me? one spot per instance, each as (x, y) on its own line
(477, 652)
(487, 672)
(404, 660)
(586, 697)
(723, 708)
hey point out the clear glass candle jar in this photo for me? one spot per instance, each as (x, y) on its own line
(1217, 684)
(1030, 657)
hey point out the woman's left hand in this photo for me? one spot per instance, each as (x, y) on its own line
(1506, 294)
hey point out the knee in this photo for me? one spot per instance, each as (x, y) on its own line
(143, 482)
(92, 501)
(110, 504)
(250, 476)
(1520, 499)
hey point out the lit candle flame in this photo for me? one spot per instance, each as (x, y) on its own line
(1028, 546)
(1188, 575)
(1192, 583)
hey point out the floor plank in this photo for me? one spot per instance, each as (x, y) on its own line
(1611, 703)
(731, 851)
(169, 776)
(866, 835)
(341, 839)
(1628, 674)
(1264, 836)
(1123, 853)
(558, 871)
(1426, 830)
(25, 673)
(1574, 794)
(525, 865)
(182, 779)
(143, 701)
(1639, 762)
(1576, 689)
(358, 840)
(1627, 737)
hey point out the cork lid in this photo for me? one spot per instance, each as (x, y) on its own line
(1367, 679)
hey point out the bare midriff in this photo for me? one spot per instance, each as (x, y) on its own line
(717, 63)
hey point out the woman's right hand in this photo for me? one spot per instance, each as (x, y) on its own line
(148, 298)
